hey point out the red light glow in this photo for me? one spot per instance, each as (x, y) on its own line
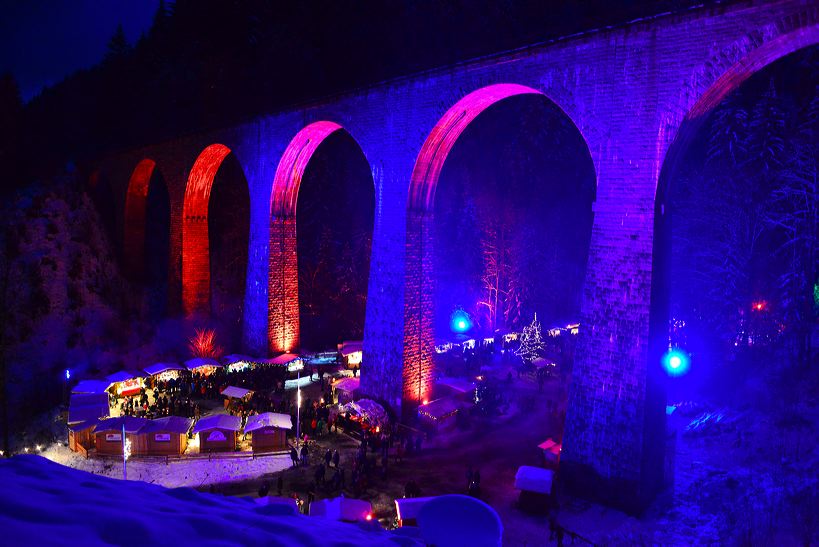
(136, 201)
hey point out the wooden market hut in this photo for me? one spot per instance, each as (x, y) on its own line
(85, 410)
(166, 436)
(80, 436)
(108, 435)
(351, 352)
(269, 431)
(217, 432)
(345, 389)
(202, 365)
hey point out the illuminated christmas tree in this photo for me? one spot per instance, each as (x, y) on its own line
(531, 342)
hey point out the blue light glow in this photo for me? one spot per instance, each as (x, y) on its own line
(460, 321)
(676, 362)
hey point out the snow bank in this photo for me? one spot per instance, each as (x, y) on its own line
(43, 503)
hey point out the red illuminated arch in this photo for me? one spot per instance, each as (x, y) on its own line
(419, 282)
(283, 285)
(136, 201)
(195, 242)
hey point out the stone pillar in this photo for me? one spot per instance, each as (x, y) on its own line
(418, 310)
(615, 418)
(283, 287)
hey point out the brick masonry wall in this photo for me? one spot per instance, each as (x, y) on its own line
(633, 92)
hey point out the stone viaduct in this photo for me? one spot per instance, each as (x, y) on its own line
(635, 92)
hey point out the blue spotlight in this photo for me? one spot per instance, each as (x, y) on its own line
(676, 362)
(460, 322)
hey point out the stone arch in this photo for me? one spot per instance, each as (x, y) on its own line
(136, 209)
(283, 288)
(196, 244)
(418, 305)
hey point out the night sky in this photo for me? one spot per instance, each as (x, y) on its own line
(43, 41)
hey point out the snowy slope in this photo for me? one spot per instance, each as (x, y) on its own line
(44, 503)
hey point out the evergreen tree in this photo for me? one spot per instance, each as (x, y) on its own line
(531, 342)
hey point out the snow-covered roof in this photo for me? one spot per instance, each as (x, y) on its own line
(351, 346)
(440, 408)
(171, 424)
(236, 392)
(82, 426)
(282, 359)
(91, 386)
(218, 421)
(122, 375)
(534, 479)
(348, 384)
(84, 407)
(132, 424)
(159, 368)
(197, 362)
(238, 357)
(341, 508)
(408, 508)
(268, 419)
(458, 384)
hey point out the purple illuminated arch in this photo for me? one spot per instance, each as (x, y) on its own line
(446, 132)
(419, 279)
(283, 273)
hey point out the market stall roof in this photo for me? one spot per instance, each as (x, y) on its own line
(440, 408)
(159, 368)
(132, 424)
(82, 426)
(122, 376)
(238, 357)
(534, 479)
(351, 346)
(348, 384)
(91, 386)
(342, 508)
(368, 410)
(197, 362)
(87, 407)
(169, 424)
(236, 392)
(282, 359)
(218, 421)
(268, 419)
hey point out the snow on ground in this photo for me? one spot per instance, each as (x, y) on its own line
(193, 472)
(42, 503)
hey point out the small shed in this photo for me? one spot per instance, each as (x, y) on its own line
(84, 407)
(217, 432)
(233, 392)
(80, 436)
(108, 435)
(551, 452)
(269, 431)
(166, 436)
(292, 361)
(535, 485)
(440, 414)
(202, 365)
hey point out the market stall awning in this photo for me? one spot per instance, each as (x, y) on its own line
(132, 424)
(534, 479)
(235, 392)
(218, 421)
(168, 424)
(351, 346)
(84, 407)
(367, 410)
(283, 359)
(198, 362)
(122, 376)
(159, 368)
(91, 386)
(348, 385)
(268, 419)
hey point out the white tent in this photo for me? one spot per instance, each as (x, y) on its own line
(534, 479)
(159, 368)
(342, 508)
(235, 392)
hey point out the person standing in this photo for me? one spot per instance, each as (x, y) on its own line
(336, 458)
(328, 456)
